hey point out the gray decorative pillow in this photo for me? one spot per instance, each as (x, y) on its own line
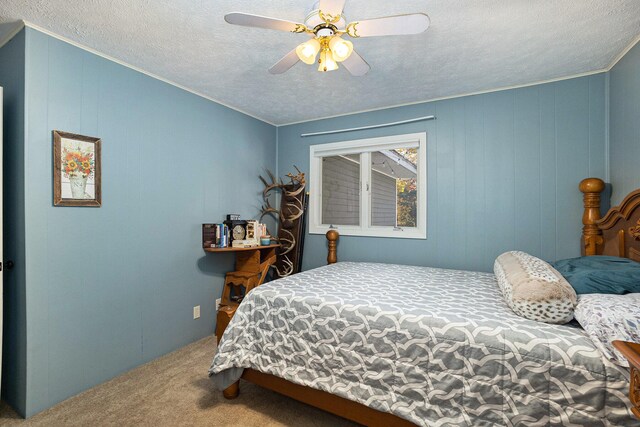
(607, 318)
(533, 289)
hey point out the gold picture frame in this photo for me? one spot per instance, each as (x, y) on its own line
(77, 170)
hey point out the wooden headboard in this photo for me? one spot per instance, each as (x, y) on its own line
(618, 232)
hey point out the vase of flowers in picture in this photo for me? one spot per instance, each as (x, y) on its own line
(78, 166)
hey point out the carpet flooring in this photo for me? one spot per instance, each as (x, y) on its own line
(175, 390)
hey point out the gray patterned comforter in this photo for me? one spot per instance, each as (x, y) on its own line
(436, 347)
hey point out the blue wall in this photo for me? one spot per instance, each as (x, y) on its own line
(503, 173)
(110, 288)
(14, 369)
(624, 124)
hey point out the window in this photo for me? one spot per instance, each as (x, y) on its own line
(370, 187)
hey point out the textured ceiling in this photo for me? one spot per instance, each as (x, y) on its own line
(471, 46)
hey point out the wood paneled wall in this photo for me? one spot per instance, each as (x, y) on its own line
(503, 170)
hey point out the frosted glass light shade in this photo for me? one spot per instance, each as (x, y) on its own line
(308, 51)
(341, 48)
(327, 63)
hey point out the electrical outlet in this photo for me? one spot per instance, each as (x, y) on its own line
(218, 301)
(196, 312)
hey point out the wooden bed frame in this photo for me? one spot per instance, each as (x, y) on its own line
(617, 234)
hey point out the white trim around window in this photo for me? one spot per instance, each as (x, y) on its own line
(365, 147)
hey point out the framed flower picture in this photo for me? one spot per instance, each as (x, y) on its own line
(76, 170)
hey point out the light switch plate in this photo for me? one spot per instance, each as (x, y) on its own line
(218, 301)
(196, 312)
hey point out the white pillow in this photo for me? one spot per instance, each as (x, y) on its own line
(608, 317)
(533, 289)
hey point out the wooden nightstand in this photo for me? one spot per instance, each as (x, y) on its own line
(631, 351)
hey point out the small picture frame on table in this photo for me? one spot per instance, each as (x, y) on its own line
(77, 170)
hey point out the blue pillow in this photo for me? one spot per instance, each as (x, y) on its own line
(600, 274)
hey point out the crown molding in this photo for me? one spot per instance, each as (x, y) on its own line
(140, 70)
(17, 27)
(462, 95)
(22, 24)
(624, 52)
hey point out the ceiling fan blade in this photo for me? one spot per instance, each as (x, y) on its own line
(356, 65)
(248, 20)
(414, 23)
(332, 7)
(289, 60)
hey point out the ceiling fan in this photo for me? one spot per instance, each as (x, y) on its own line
(326, 25)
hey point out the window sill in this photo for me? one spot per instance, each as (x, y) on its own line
(387, 233)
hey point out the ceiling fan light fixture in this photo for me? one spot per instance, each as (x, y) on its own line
(341, 48)
(308, 51)
(327, 62)
(326, 24)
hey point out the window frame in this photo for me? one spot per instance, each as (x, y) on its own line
(365, 147)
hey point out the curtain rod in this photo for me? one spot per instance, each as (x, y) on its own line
(384, 125)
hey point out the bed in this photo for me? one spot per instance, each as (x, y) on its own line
(401, 345)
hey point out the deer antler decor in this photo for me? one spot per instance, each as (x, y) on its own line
(291, 218)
